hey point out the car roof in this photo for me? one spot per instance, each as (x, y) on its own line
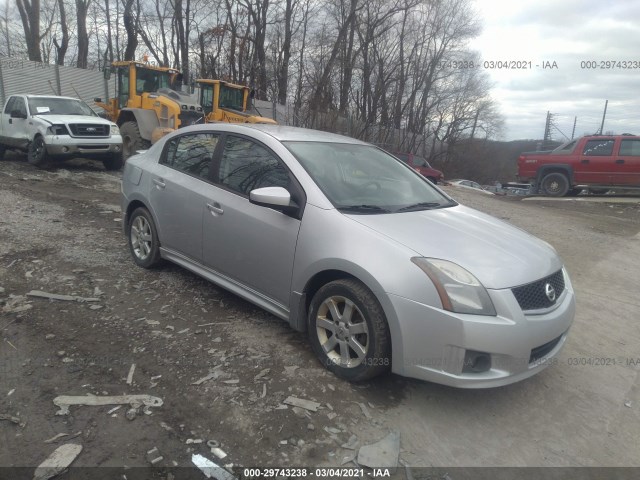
(282, 133)
(51, 96)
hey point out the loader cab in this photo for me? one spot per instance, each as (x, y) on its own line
(134, 79)
(215, 94)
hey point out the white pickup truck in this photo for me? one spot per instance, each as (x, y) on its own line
(51, 128)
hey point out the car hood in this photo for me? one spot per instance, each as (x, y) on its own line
(58, 119)
(497, 253)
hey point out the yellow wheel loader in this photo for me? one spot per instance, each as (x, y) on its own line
(147, 104)
(227, 102)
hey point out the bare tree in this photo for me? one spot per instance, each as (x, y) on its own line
(61, 48)
(30, 16)
(130, 19)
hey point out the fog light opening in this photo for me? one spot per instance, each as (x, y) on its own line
(65, 149)
(476, 362)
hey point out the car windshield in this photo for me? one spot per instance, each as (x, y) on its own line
(364, 179)
(58, 106)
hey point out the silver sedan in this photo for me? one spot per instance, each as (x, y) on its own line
(383, 270)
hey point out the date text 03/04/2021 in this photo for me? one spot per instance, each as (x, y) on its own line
(320, 472)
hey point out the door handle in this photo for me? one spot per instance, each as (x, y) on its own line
(620, 160)
(215, 208)
(159, 183)
(584, 161)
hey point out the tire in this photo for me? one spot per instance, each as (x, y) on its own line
(142, 237)
(132, 141)
(433, 180)
(37, 153)
(114, 162)
(3, 149)
(598, 191)
(555, 184)
(356, 346)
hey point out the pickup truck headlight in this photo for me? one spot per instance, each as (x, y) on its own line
(458, 289)
(115, 130)
(57, 130)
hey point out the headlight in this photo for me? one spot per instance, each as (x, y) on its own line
(115, 130)
(459, 290)
(57, 130)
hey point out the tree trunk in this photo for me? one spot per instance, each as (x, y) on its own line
(61, 48)
(30, 16)
(130, 22)
(82, 7)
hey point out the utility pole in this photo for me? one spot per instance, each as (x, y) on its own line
(573, 132)
(603, 117)
(547, 130)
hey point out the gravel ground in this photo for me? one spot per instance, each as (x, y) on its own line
(60, 232)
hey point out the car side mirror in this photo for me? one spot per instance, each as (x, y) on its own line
(18, 114)
(277, 198)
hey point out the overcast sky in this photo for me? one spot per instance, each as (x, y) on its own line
(566, 32)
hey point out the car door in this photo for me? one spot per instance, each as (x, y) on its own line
(14, 123)
(595, 162)
(180, 191)
(250, 244)
(626, 164)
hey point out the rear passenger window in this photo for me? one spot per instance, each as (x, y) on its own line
(630, 148)
(10, 105)
(191, 154)
(245, 166)
(598, 147)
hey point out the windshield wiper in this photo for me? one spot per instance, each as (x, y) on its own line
(363, 209)
(421, 206)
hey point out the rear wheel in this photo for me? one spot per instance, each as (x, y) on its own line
(143, 239)
(132, 141)
(348, 331)
(598, 191)
(114, 162)
(555, 184)
(37, 154)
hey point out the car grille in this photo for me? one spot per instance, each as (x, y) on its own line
(533, 296)
(539, 352)
(89, 130)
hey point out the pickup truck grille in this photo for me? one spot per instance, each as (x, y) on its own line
(89, 130)
(533, 296)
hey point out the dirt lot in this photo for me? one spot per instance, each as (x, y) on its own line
(60, 232)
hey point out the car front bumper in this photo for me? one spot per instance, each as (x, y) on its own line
(65, 146)
(440, 346)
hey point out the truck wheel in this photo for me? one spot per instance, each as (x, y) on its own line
(598, 191)
(37, 153)
(555, 184)
(132, 141)
(348, 331)
(2, 150)
(433, 180)
(114, 162)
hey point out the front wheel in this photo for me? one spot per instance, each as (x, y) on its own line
(114, 162)
(348, 331)
(37, 153)
(555, 184)
(132, 140)
(143, 239)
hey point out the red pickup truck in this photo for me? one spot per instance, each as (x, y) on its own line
(599, 162)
